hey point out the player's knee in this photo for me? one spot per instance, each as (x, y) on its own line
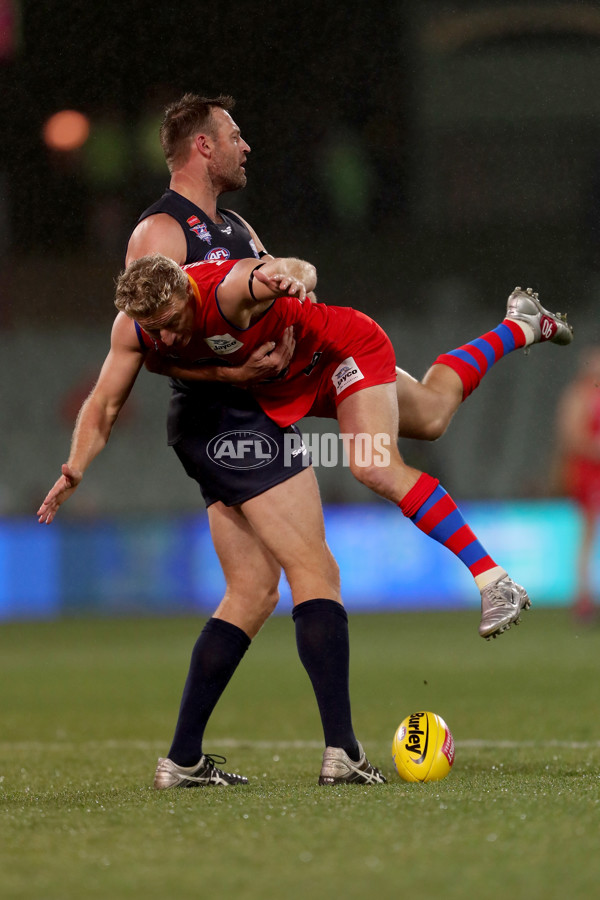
(434, 428)
(248, 608)
(315, 576)
(334, 572)
(261, 596)
(267, 598)
(377, 478)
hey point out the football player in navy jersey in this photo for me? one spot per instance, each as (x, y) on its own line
(206, 156)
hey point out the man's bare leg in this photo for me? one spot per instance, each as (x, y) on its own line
(427, 407)
(373, 412)
(289, 521)
(251, 571)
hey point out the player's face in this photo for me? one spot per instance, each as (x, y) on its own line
(229, 158)
(174, 324)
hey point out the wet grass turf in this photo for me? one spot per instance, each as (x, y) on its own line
(87, 706)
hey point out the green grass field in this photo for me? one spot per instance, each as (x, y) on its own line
(87, 706)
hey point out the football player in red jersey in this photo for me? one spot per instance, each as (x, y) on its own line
(578, 469)
(344, 367)
(173, 311)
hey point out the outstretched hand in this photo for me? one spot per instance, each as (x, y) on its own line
(279, 282)
(57, 495)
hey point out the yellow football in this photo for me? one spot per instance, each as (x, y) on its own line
(423, 748)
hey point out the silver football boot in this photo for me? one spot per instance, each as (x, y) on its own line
(501, 605)
(338, 768)
(524, 306)
(169, 774)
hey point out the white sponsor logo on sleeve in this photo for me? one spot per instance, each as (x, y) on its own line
(347, 373)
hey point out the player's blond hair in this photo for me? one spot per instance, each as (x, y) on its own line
(148, 284)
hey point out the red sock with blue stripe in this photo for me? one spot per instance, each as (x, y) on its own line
(473, 360)
(435, 513)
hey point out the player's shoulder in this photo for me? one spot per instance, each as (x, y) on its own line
(124, 333)
(158, 233)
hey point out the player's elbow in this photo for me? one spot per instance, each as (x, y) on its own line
(310, 277)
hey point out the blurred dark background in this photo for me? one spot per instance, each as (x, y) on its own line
(427, 156)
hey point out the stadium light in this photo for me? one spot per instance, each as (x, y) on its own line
(66, 130)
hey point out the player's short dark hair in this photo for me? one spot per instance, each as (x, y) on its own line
(184, 118)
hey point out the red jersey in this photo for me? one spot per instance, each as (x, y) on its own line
(338, 349)
(581, 474)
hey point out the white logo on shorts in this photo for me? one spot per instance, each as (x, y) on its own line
(347, 373)
(223, 343)
(242, 450)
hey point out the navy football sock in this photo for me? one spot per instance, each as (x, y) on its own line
(324, 650)
(215, 657)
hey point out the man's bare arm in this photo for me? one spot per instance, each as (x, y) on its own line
(159, 233)
(285, 276)
(98, 413)
(248, 283)
(265, 255)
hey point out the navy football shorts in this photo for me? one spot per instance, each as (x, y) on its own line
(228, 444)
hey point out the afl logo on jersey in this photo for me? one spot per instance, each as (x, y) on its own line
(242, 450)
(217, 253)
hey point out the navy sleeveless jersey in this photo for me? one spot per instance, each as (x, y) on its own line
(199, 411)
(205, 239)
